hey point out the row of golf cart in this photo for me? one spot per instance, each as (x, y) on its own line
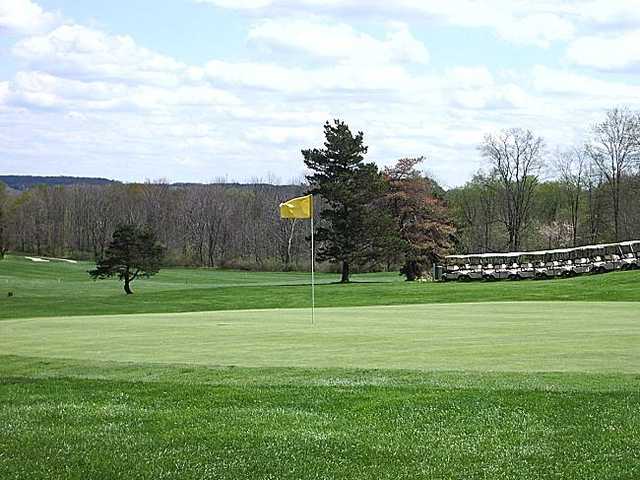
(544, 264)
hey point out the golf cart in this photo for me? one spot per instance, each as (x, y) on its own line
(543, 264)
(629, 252)
(603, 260)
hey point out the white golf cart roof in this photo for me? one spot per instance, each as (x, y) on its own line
(484, 255)
(513, 255)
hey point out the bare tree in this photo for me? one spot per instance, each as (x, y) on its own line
(515, 156)
(206, 216)
(487, 197)
(572, 167)
(4, 220)
(475, 206)
(614, 148)
(595, 204)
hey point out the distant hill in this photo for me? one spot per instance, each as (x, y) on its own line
(19, 183)
(8, 189)
(25, 182)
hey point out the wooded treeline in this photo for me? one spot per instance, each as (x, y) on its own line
(594, 196)
(206, 225)
(556, 209)
(528, 196)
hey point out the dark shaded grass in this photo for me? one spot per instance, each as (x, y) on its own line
(64, 290)
(62, 419)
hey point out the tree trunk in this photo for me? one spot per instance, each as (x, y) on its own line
(486, 237)
(127, 288)
(511, 239)
(345, 272)
(411, 270)
(616, 209)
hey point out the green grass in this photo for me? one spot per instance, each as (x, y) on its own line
(61, 289)
(65, 419)
(94, 384)
(542, 336)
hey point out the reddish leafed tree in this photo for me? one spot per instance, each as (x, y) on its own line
(422, 217)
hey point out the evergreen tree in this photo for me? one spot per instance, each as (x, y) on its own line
(352, 230)
(134, 252)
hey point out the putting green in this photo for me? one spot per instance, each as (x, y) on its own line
(540, 336)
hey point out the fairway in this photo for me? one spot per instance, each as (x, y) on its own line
(339, 240)
(189, 379)
(64, 290)
(553, 336)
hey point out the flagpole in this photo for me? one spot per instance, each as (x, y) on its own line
(313, 283)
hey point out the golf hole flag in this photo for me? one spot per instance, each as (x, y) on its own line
(302, 207)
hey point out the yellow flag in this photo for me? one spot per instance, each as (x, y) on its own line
(301, 207)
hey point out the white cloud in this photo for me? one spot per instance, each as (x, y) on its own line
(469, 77)
(571, 85)
(535, 22)
(509, 97)
(618, 13)
(538, 29)
(281, 134)
(612, 52)
(4, 94)
(345, 79)
(239, 4)
(79, 51)
(43, 90)
(340, 41)
(476, 88)
(519, 22)
(104, 103)
(156, 107)
(25, 17)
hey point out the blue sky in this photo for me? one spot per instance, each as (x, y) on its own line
(195, 90)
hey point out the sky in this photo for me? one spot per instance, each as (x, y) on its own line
(199, 90)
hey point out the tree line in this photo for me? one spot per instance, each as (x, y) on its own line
(592, 196)
(527, 197)
(215, 225)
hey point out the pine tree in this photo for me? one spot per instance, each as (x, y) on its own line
(134, 252)
(352, 230)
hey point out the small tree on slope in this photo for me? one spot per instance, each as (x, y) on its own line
(133, 252)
